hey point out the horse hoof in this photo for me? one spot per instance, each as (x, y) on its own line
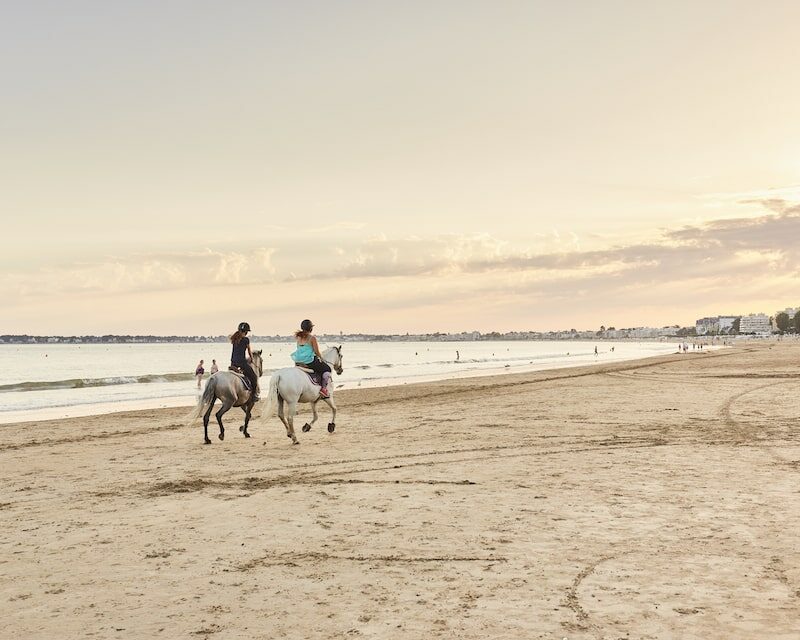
(296, 442)
(306, 428)
(221, 436)
(331, 427)
(246, 435)
(207, 441)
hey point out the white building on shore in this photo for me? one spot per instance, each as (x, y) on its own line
(757, 323)
(702, 326)
(714, 324)
(726, 323)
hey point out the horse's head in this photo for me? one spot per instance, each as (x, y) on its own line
(333, 357)
(258, 362)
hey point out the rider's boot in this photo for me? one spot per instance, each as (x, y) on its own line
(326, 378)
(257, 394)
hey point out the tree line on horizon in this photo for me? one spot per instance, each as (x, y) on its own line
(786, 324)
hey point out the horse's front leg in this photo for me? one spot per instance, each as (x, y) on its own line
(332, 423)
(248, 411)
(291, 410)
(227, 404)
(206, 418)
(307, 426)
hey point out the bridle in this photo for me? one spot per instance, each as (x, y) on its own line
(337, 366)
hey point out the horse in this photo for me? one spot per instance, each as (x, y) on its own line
(292, 385)
(228, 387)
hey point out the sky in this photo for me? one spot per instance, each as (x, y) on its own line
(384, 167)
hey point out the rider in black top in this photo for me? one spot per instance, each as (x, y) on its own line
(240, 353)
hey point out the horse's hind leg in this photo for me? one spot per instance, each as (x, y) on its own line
(292, 406)
(282, 417)
(206, 418)
(223, 410)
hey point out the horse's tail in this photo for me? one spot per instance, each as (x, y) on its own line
(205, 401)
(272, 396)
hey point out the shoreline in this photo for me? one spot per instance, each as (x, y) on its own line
(46, 415)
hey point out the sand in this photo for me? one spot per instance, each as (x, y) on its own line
(649, 499)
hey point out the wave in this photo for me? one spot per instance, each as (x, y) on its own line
(108, 381)
(82, 383)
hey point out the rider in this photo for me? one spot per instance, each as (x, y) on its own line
(239, 356)
(308, 355)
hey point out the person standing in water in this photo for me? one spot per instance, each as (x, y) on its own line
(214, 368)
(307, 354)
(241, 355)
(198, 372)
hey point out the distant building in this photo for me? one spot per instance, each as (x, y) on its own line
(726, 323)
(757, 323)
(706, 325)
(714, 325)
(644, 332)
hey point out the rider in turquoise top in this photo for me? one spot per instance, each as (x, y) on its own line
(304, 354)
(308, 355)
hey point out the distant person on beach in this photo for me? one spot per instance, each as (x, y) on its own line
(308, 355)
(214, 368)
(241, 355)
(458, 356)
(595, 350)
(198, 372)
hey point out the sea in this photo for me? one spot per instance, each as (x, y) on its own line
(48, 381)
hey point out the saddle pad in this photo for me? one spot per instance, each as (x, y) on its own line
(315, 379)
(242, 377)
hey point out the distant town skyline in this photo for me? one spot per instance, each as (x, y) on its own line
(177, 168)
(720, 325)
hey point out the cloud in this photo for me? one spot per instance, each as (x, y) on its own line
(146, 272)
(724, 247)
(719, 262)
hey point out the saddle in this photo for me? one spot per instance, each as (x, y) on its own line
(314, 377)
(237, 371)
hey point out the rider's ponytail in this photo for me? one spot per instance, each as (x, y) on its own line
(302, 335)
(236, 337)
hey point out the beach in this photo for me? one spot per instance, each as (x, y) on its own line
(655, 498)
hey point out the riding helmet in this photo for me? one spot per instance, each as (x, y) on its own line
(306, 325)
(243, 326)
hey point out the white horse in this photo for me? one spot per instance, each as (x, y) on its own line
(292, 385)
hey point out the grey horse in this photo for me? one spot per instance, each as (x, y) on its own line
(228, 387)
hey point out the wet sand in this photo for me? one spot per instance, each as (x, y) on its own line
(649, 499)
